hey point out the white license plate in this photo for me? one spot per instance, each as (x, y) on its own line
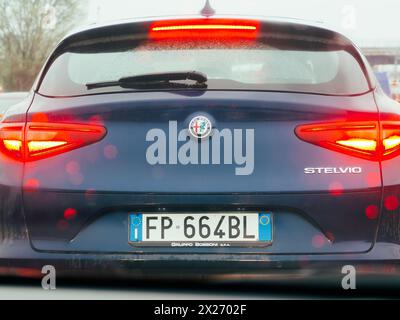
(201, 229)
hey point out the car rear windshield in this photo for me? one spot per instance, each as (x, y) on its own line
(241, 65)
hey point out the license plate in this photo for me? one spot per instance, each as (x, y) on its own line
(201, 229)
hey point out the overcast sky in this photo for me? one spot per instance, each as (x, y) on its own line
(368, 22)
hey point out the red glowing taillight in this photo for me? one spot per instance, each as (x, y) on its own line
(364, 139)
(204, 28)
(35, 141)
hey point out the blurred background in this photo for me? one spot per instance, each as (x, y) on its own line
(29, 29)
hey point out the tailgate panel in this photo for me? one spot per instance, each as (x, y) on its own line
(109, 179)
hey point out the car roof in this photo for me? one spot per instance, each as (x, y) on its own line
(265, 19)
(161, 18)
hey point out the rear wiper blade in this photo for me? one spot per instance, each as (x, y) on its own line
(156, 80)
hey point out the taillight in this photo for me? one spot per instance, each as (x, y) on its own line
(11, 137)
(364, 139)
(390, 139)
(204, 28)
(35, 141)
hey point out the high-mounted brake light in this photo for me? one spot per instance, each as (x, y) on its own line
(364, 139)
(204, 28)
(35, 141)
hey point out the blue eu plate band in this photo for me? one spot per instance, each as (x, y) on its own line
(135, 221)
(265, 227)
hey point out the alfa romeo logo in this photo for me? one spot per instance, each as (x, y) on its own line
(200, 127)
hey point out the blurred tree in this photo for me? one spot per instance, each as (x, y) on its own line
(29, 29)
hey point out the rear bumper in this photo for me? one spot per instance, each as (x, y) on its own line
(303, 222)
(21, 260)
(18, 257)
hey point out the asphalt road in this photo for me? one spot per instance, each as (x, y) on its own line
(32, 290)
(32, 293)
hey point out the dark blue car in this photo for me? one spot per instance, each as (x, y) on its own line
(194, 146)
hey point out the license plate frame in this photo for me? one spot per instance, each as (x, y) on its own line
(265, 235)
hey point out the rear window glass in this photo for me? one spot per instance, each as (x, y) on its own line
(247, 65)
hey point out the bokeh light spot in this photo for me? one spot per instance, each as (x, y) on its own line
(318, 241)
(372, 212)
(391, 203)
(70, 214)
(72, 167)
(336, 189)
(110, 152)
(31, 184)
